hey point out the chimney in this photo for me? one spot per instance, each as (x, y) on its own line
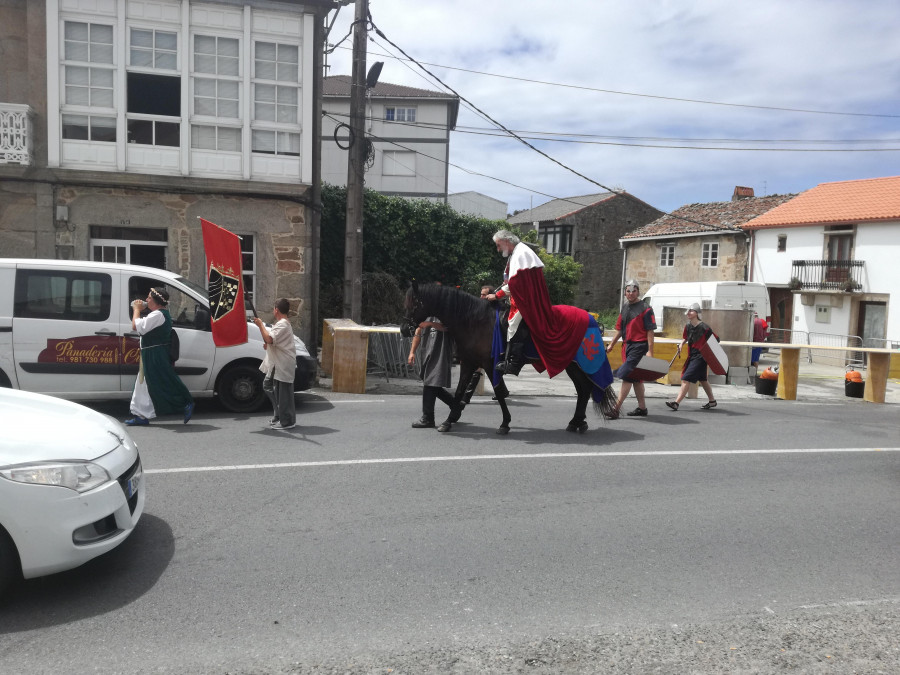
(741, 193)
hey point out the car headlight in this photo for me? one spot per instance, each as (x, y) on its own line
(78, 476)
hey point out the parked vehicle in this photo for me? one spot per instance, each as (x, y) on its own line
(71, 485)
(65, 330)
(711, 295)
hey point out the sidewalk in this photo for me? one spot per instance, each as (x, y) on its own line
(816, 383)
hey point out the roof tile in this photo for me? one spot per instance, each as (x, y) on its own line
(851, 201)
(709, 217)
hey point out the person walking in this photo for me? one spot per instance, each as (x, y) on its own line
(695, 368)
(435, 351)
(760, 332)
(635, 325)
(157, 390)
(279, 366)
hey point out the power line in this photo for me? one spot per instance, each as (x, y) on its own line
(630, 141)
(637, 94)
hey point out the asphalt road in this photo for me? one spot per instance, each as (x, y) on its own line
(759, 537)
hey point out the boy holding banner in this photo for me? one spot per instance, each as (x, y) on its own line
(696, 333)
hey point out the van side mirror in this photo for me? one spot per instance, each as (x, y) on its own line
(202, 319)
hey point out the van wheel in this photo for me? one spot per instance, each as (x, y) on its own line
(240, 389)
(10, 570)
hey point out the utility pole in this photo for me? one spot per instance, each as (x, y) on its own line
(356, 159)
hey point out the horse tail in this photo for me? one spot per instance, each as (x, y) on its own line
(604, 401)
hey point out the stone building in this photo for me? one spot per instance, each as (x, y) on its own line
(696, 242)
(124, 121)
(589, 228)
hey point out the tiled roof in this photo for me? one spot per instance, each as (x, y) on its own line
(709, 217)
(558, 208)
(851, 201)
(339, 85)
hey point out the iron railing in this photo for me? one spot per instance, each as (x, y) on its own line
(15, 134)
(827, 275)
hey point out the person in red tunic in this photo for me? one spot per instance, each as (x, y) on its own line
(636, 323)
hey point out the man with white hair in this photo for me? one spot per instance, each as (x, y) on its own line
(512, 248)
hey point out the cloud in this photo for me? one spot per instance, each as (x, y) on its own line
(822, 55)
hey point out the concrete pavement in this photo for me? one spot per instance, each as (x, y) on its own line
(816, 383)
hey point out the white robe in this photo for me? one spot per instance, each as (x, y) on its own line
(141, 403)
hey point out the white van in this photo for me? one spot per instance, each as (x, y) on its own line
(711, 295)
(65, 330)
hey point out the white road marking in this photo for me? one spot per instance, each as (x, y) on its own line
(542, 455)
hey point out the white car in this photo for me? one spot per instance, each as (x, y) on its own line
(71, 485)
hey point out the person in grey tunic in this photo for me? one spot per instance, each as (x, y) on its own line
(435, 352)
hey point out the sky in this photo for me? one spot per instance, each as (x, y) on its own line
(764, 86)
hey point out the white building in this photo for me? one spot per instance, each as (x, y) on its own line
(828, 257)
(478, 204)
(409, 130)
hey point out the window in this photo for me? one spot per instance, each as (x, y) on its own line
(88, 42)
(276, 142)
(70, 296)
(154, 49)
(710, 255)
(182, 307)
(397, 163)
(557, 239)
(215, 138)
(276, 62)
(667, 255)
(217, 98)
(393, 114)
(275, 104)
(782, 243)
(89, 128)
(154, 132)
(248, 262)
(216, 55)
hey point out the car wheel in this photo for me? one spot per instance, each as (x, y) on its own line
(9, 562)
(240, 389)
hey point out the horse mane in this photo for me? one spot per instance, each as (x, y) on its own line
(452, 306)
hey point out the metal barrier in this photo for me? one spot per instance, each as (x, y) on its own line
(388, 351)
(841, 359)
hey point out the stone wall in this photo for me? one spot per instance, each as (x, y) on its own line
(595, 244)
(642, 262)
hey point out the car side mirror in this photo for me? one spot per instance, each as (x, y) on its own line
(202, 319)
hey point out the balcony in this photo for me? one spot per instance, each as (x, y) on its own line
(15, 134)
(827, 275)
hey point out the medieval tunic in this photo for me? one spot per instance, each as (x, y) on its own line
(695, 369)
(436, 356)
(157, 390)
(635, 321)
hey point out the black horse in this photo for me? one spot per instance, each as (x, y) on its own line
(470, 321)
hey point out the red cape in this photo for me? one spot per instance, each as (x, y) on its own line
(556, 330)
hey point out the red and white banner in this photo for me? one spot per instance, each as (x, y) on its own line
(225, 285)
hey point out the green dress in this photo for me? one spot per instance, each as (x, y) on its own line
(167, 391)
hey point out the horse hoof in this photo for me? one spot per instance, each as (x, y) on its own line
(502, 431)
(580, 428)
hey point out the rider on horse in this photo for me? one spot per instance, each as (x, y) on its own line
(511, 247)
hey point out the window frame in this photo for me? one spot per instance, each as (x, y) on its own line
(393, 116)
(667, 255)
(709, 254)
(557, 239)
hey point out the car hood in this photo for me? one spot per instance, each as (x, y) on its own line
(34, 428)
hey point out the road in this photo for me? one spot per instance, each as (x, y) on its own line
(758, 537)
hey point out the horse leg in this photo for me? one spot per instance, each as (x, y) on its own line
(583, 387)
(501, 393)
(456, 403)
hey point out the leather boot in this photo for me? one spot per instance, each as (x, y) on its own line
(515, 359)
